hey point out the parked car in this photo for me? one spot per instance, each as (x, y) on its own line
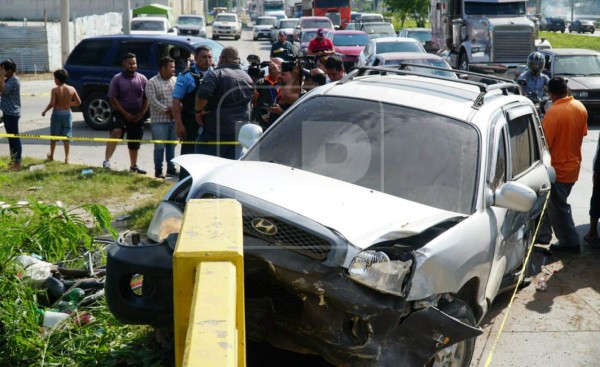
(348, 45)
(313, 22)
(384, 45)
(378, 29)
(581, 68)
(95, 60)
(416, 58)
(582, 26)
(375, 233)
(286, 25)
(555, 24)
(422, 35)
(262, 27)
(151, 25)
(191, 25)
(226, 25)
(300, 46)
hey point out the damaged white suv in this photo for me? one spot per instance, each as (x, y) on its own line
(382, 215)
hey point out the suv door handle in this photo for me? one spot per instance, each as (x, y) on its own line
(544, 189)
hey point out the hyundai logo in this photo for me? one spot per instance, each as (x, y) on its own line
(264, 226)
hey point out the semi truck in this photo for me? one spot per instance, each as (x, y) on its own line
(488, 36)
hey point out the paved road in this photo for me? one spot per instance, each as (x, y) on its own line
(558, 327)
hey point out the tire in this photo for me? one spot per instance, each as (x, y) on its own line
(255, 38)
(463, 61)
(96, 111)
(459, 354)
(215, 37)
(237, 37)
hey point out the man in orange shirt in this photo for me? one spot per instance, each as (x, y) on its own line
(565, 125)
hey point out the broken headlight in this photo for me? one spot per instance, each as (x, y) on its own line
(166, 220)
(374, 269)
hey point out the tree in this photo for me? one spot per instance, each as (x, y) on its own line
(417, 9)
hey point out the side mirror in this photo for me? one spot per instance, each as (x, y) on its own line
(249, 134)
(514, 196)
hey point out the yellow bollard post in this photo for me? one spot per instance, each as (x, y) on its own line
(208, 279)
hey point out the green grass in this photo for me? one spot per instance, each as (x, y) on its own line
(566, 40)
(119, 191)
(60, 234)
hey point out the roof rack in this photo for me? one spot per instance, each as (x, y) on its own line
(486, 84)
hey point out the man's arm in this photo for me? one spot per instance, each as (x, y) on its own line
(179, 128)
(199, 107)
(52, 101)
(2, 80)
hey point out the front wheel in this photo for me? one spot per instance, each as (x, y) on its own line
(96, 111)
(461, 353)
(463, 61)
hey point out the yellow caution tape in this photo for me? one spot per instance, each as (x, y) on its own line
(51, 137)
(488, 361)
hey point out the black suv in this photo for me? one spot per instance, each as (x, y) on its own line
(95, 60)
(556, 25)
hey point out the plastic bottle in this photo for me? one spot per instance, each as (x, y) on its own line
(36, 271)
(74, 295)
(52, 318)
(541, 284)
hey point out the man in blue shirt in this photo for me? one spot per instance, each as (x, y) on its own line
(184, 98)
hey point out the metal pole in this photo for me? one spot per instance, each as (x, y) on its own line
(126, 17)
(64, 30)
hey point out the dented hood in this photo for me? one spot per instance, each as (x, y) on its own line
(363, 216)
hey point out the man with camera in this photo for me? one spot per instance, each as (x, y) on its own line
(282, 48)
(265, 95)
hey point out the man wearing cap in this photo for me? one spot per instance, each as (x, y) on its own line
(282, 48)
(320, 46)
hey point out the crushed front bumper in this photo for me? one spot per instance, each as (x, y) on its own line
(295, 303)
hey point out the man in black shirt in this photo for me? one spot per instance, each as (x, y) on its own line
(223, 105)
(282, 48)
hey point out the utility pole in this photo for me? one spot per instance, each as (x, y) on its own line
(64, 30)
(126, 17)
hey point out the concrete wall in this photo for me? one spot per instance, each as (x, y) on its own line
(50, 9)
(37, 48)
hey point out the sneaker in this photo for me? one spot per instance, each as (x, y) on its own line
(136, 169)
(172, 172)
(106, 164)
(158, 174)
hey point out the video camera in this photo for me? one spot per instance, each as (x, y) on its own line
(304, 62)
(255, 69)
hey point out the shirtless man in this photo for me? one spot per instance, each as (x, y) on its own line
(62, 98)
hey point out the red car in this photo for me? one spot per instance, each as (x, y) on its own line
(348, 44)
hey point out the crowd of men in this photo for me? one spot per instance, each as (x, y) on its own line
(206, 104)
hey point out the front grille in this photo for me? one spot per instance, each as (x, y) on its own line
(284, 235)
(512, 46)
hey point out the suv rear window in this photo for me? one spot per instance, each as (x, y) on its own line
(90, 53)
(142, 51)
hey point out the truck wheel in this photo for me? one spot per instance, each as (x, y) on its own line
(463, 61)
(96, 111)
(459, 354)
(238, 37)
(215, 37)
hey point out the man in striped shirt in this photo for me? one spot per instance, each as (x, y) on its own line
(159, 92)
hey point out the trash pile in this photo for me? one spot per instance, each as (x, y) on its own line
(63, 292)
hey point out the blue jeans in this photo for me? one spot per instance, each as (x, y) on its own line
(163, 131)
(11, 124)
(559, 217)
